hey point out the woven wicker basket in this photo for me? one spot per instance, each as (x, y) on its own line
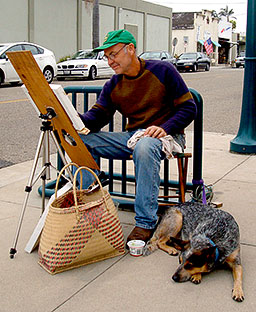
(81, 227)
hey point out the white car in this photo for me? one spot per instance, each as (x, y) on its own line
(83, 64)
(44, 58)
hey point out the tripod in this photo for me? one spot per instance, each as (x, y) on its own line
(44, 145)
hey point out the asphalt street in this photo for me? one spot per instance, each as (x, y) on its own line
(221, 89)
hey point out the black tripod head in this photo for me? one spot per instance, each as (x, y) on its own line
(49, 115)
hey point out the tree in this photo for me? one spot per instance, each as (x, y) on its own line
(95, 22)
(215, 14)
(226, 12)
(233, 24)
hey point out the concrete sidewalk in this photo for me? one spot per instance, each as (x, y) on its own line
(127, 283)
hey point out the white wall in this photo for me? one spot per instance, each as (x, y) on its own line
(157, 33)
(13, 20)
(134, 18)
(107, 20)
(56, 26)
(64, 26)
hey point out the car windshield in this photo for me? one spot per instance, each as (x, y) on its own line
(84, 55)
(187, 56)
(150, 55)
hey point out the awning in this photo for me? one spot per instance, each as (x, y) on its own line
(201, 41)
(216, 43)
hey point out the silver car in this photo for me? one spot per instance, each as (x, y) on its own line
(84, 64)
(44, 58)
(158, 55)
(240, 60)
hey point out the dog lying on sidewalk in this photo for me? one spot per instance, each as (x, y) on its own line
(207, 237)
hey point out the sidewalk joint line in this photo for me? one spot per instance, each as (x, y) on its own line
(83, 287)
(248, 244)
(227, 173)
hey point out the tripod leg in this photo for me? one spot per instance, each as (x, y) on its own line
(28, 189)
(63, 158)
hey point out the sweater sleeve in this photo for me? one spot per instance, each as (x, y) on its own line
(101, 112)
(184, 105)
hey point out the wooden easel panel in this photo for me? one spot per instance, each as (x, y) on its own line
(43, 96)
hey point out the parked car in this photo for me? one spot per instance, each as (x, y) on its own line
(158, 55)
(83, 64)
(193, 61)
(44, 58)
(239, 61)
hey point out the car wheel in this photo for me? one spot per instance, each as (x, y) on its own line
(92, 73)
(194, 68)
(1, 78)
(48, 74)
(237, 66)
(207, 67)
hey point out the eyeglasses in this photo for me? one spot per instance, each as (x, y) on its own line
(112, 55)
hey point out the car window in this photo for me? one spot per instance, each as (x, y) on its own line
(17, 47)
(83, 54)
(2, 47)
(151, 55)
(100, 55)
(34, 50)
(187, 56)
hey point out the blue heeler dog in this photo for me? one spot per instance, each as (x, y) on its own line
(207, 237)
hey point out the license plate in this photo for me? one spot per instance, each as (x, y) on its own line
(66, 72)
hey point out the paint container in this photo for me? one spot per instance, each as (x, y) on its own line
(136, 247)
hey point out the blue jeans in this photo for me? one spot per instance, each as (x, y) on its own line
(147, 156)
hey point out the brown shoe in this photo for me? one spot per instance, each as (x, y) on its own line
(140, 234)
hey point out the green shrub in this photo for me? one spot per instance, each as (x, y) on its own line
(64, 58)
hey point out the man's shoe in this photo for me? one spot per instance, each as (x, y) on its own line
(139, 233)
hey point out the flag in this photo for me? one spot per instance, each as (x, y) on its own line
(208, 46)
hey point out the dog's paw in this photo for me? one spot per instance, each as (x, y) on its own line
(196, 279)
(148, 249)
(238, 294)
(172, 251)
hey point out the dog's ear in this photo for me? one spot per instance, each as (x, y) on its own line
(178, 243)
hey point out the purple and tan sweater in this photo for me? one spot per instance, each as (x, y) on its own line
(157, 96)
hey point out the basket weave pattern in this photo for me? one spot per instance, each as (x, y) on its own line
(77, 235)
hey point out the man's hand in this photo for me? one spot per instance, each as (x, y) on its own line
(84, 131)
(155, 132)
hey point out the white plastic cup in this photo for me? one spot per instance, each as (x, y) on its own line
(136, 247)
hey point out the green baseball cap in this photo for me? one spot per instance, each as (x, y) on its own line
(115, 37)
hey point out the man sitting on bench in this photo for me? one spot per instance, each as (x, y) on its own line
(156, 101)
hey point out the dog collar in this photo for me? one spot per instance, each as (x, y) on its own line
(216, 250)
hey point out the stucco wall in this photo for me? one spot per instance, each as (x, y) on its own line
(13, 20)
(64, 26)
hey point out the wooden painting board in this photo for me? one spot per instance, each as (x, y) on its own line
(43, 96)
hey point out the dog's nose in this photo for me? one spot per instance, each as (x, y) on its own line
(175, 278)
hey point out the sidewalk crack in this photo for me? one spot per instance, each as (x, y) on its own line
(83, 287)
(227, 173)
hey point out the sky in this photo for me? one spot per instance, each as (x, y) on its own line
(239, 7)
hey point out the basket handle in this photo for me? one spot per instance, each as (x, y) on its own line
(60, 174)
(96, 177)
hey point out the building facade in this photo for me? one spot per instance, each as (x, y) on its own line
(66, 26)
(192, 29)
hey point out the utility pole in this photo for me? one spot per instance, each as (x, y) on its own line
(245, 141)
